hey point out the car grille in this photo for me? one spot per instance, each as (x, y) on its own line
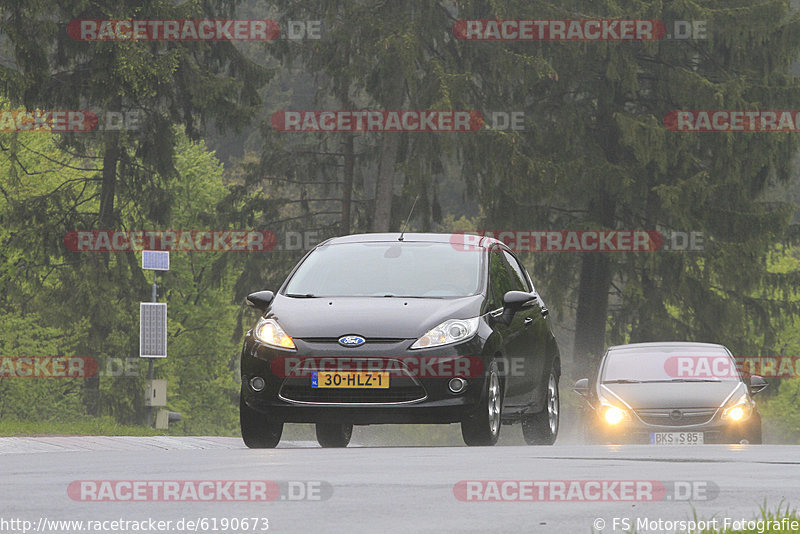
(393, 394)
(335, 340)
(676, 417)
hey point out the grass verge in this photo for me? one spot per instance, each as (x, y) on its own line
(92, 426)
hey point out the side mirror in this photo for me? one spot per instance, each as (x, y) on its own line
(581, 387)
(757, 384)
(514, 301)
(260, 300)
(517, 300)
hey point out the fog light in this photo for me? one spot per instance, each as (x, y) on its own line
(457, 385)
(257, 383)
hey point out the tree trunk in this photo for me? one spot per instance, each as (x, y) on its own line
(109, 183)
(593, 288)
(590, 319)
(347, 183)
(384, 186)
(98, 329)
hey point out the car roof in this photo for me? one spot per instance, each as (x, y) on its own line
(409, 237)
(667, 345)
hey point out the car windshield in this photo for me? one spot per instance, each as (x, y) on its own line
(387, 270)
(669, 364)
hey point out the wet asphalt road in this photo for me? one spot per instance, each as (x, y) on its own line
(387, 489)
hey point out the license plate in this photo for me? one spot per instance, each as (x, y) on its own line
(676, 438)
(350, 379)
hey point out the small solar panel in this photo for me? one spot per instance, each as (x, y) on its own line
(152, 330)
(155, 260)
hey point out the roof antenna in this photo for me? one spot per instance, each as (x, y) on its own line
(403, 231)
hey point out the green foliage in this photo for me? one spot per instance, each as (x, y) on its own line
(595, 154)
(201, 368)
(38, 399)
(88, 426)
(781, 414)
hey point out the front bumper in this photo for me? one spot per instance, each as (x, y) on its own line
(410, 398)
(637, 432)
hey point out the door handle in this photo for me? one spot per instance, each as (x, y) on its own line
(545, 312)
(527, 321)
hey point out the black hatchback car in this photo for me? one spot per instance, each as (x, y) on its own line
(674, 393)
(388, 328)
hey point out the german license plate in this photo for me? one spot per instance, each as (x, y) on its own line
(350, 379)
(676, 438)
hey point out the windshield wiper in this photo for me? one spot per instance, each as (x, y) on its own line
(392, 295)
(662, 380)
(301, 295)
(712, 379)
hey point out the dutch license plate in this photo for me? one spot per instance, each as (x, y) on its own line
(676, 438)
(350, 379)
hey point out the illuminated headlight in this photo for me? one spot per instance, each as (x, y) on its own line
(450, 331)
(268, 331)
(738, 409)
(613, 415)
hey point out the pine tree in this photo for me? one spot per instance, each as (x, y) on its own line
(123, 174)
(599, 156)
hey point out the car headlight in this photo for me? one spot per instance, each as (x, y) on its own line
(612, 414)
(450, 331)
(738, 409)
(268, 331)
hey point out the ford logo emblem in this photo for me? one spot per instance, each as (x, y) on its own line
(351, 341)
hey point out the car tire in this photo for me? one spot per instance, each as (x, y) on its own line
(333, 435)
(482, 427)
(542, 428)
(257, 431)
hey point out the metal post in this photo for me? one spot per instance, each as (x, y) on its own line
(154, 298)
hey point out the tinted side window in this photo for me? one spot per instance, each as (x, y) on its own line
(501, 278)
(520, 280)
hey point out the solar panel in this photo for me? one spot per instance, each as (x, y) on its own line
(155, 260)
(152, 330)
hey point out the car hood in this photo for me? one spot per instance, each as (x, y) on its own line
(674, 394)
(383, 317)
